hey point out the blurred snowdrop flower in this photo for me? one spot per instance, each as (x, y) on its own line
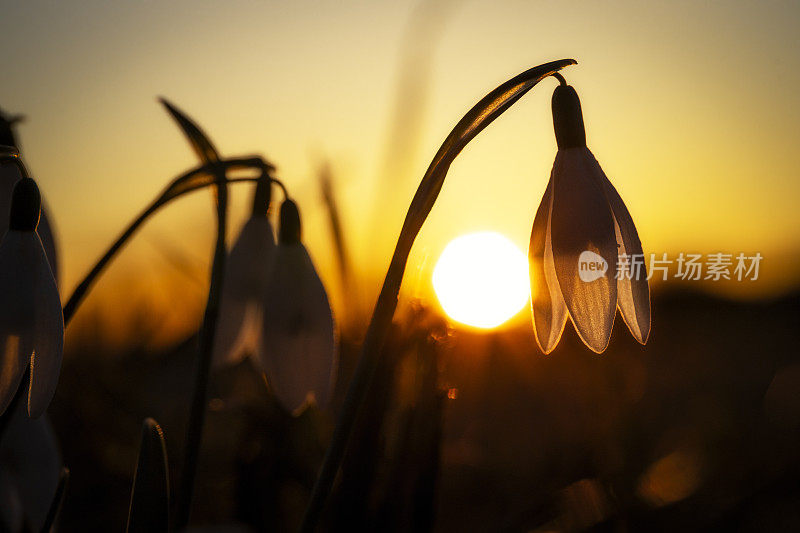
(275, 308)
(580, 218)
(246, 274)
(31, 320)
(298, 340)
(9, 176)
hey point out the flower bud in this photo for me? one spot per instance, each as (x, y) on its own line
(26, 206)
(289, 231)
(261, 196)
(568, 118)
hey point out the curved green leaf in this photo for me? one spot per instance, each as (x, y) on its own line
(481, 115)
(195, 179)
(203, 176)
(199, 140)
(149, 510)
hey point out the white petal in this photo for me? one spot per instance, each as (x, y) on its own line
(230, 345)
(582, 221)
(547, 304)
(30, 446)
(633, 295)
(15, 352)
(298, 340)
(48, 340)
(247, 272)
(18, 272)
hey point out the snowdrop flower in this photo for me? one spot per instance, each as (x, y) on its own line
(31, 321)
(9, 176)
(298, 340)
(246, 275)
(581, 228)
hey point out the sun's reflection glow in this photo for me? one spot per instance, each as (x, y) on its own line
(481, 279)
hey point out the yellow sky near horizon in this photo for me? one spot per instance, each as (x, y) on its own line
(690, 107)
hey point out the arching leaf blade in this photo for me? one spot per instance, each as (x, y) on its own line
(149, 509)
(200, 142)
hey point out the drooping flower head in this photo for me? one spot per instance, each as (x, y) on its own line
(298, 339)
(274, 307)
(31, 320)
(9, 176)
(246, 275)
(580, 230)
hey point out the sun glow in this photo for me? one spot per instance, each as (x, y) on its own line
(481, 279)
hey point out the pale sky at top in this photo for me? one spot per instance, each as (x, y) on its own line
(691, 108)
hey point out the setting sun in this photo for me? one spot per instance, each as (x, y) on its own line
(481, 279)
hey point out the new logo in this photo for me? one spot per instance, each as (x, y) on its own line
(591, 266)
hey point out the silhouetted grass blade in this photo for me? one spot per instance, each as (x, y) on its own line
(481, 115)
(199, 140)
(149, 510)
(192, 180)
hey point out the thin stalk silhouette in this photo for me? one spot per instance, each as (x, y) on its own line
(480, 116)
(192, 180)
(347, 288)
(197, 413)
(209, 156)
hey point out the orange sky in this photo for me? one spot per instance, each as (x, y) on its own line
(690, 107)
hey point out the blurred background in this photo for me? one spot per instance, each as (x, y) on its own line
(690, 107)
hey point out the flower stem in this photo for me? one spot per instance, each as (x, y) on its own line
(83, 287)
(560, 78)
(194, 431)
(481, 115)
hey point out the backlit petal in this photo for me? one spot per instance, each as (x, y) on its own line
(48, 340)
(15, 358)
(298, 339)
(17, 285)
(633, 295)
(247, 272)
(581, 221)
(547, 304)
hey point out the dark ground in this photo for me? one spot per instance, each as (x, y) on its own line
(699, 430)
